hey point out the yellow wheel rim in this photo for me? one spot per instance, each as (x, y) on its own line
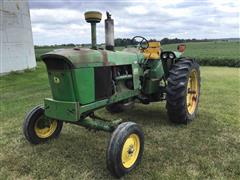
(45, 128)
(130, 150)
(192, 92)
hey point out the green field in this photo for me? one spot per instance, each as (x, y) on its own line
(216, 53)
(214, 50)
(208, 148)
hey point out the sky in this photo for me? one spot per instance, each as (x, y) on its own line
(62, 21)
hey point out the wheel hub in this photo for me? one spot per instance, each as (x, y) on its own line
(130, 150)
(192, 92)
(45, 128)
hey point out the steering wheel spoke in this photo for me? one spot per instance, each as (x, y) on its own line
(143, 43)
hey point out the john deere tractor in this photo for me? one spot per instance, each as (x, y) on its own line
(83, 80)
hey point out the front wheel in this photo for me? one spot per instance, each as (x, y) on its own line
(37, 128)
(183, 91)
(125, 149)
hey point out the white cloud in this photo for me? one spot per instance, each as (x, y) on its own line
(229, 6)
(63, 22)
(37, 29)
(123, 30)
(137, 10)
(174, 12)
(234, 21)
(55, 15)
(163, 3)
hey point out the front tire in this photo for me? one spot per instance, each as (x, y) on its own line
(125, 149)
(183, 91)
(38, 129)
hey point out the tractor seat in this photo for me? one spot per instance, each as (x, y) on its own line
(153, 51)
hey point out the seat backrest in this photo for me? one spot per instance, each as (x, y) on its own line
(153, 51)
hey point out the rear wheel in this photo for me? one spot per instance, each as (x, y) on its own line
(125, 149)
(183, 91)
(37, 128)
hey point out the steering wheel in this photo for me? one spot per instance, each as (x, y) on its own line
(144, 44)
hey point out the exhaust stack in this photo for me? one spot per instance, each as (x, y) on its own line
(109, 32)
(93, 17)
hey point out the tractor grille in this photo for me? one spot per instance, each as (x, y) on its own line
(103, 82)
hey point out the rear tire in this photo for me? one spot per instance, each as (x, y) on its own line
(38, 129)
(183, 91)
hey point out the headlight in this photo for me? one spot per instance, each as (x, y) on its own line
(164, 56)
(168, 55)
(171, 56)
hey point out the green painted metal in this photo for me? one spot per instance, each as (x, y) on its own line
(153, 76)
(62, 85)
(156, 70)
(94, 36)
(84, 57)
(99, 124)
(137, 72)
(151, 86)
(72, 111)
(80, 87)
(74, 89)
(61, 110)
(84, 86)
(115, 98)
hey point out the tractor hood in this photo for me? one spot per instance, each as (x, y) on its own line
(84, 57)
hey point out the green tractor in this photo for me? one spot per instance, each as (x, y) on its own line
(83, 80)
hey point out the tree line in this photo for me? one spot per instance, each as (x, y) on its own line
(128, 41)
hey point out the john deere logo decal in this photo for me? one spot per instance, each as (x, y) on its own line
(56, 80)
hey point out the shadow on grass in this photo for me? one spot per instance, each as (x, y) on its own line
(145, 115)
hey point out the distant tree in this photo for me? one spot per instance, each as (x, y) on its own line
(128, 41)
(124, 42)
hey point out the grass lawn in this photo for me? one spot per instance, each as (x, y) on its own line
(209, 147)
